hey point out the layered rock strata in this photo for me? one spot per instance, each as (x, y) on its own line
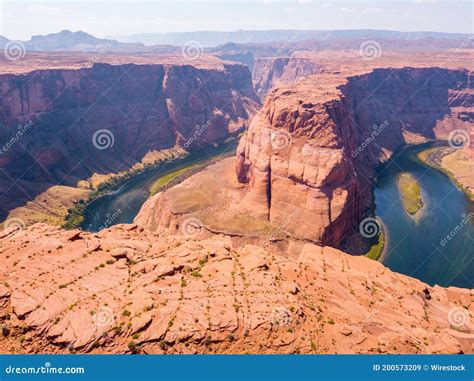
(307, 164)
(59, 126)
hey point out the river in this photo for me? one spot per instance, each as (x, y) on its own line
(124, 202)
(415, 248)
(419, 247)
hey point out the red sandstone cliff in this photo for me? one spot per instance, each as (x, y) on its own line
(141, 107)
(141, 289)
(309, 155)
(306, 165)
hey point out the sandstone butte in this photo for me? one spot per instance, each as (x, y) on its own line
(238, 258)
(305, 168)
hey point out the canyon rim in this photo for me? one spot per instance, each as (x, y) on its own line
(258, 249)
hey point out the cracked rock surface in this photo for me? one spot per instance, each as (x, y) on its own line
(127, 289)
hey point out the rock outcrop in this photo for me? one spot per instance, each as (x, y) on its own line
(127, 290)
(306, 166)
(310, 154)
(59, 126)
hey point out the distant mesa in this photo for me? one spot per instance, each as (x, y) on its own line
(246, 42)
(70, 41)
(213, 38)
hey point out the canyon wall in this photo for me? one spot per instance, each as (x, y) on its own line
(59, 126)
(310, 154)
(306, 166)
(304, 173)
(271, 72)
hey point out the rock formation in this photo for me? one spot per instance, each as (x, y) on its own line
(127, 290)
(236, 258)
(105, 118)
(307, 163)
(310, 155)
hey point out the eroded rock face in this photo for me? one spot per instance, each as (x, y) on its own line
(310, 154)
(126, 290)
(270, 72)
(132, 109)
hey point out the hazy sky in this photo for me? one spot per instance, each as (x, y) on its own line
(21, 19)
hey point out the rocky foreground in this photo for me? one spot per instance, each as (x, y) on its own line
(127, 290)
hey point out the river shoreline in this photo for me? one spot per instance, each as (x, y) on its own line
(429, 160)
(128, 196)
(378, 250)
(413, 242)
(75, 218)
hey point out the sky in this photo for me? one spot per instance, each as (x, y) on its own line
(22, 19)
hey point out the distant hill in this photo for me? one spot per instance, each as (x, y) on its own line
(248, 45)
(211, 39)
(72, 41)
(3, 41)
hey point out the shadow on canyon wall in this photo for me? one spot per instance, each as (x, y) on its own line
(107, 118)
(62, 126)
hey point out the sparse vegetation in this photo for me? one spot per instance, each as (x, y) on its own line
(165, 180)
(376, 250)
(75, 218)
(447, 159)
(410, 193)
(133, 347)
